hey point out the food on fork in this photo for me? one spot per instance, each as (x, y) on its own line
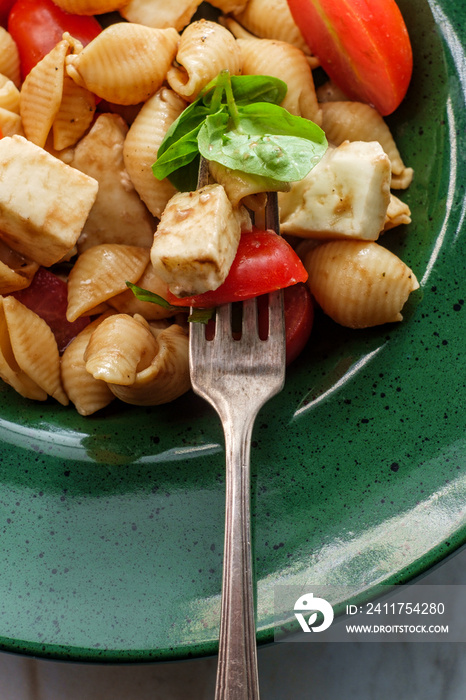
(102, 139)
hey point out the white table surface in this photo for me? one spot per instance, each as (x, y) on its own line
(353, 671)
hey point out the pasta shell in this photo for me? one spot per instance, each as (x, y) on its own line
(227, 6)
(10, 371)
(160, 13)
(166, 378)
(34, 347)
(118, 214)
(15, 271)
(239, 185)
(359, 284)
(272, 19)
(74, 116)
(11, 281)
(100, 273)
(9, 57)
(161, 374)
(86, 393)
(41, 94)
(398, 213)
(284, 61)
(9, 95)
(10, 123)
(142, 144)
(355, 121)
(126, 63)
(119, 348)
(205, 49)
(329, 92)
(89, 7)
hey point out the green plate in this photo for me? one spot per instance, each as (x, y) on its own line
(112, 526)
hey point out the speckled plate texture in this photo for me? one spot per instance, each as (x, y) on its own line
(112, 526)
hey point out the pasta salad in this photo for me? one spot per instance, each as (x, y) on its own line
(104, 120)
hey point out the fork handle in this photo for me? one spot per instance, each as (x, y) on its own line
(237, 677)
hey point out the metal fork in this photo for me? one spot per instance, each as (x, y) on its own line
(238, 377)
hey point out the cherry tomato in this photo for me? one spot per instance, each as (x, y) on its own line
(299, 317)
(264, 261)
(363, 45)
(5, 7)
(38, 25)
(47, 295)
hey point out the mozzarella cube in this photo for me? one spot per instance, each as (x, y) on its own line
(346, 195)
(44, 203)
(196, 240)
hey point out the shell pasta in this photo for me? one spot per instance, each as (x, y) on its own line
(205, 49)
(126, 63)
(142, 143)
(287, 62)
(80, 195)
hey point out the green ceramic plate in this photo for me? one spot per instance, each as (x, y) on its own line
(112, 526)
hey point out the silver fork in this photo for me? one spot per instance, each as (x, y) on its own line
(238, 377)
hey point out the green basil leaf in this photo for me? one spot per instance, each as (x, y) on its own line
(269, 118)
(146, 295)
(250, 88)
(185, 179)
(196, 315)
(190, 119)
(267, 141)
(178, 146)
(201, 315)
(176, 156)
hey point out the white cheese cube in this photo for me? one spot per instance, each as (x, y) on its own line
(346, 195)
(196, 240)
(44, 203)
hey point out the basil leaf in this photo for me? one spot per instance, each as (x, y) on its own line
(185, 179)
(179, 145)
(201, 315)
(266, 141)
(196, 315)
(176, 156)
(190, 119)
(237, 122)
(146, 295)
(269, 118)
(250, 88)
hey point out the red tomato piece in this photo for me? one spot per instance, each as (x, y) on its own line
(299, 318)
(47, 296)
(363, 45)
(5, 7)
(264, 262)
(38, 25)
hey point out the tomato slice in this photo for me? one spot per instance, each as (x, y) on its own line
(264, 262)
(363, 45)
(38, 25)
(47, 295)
